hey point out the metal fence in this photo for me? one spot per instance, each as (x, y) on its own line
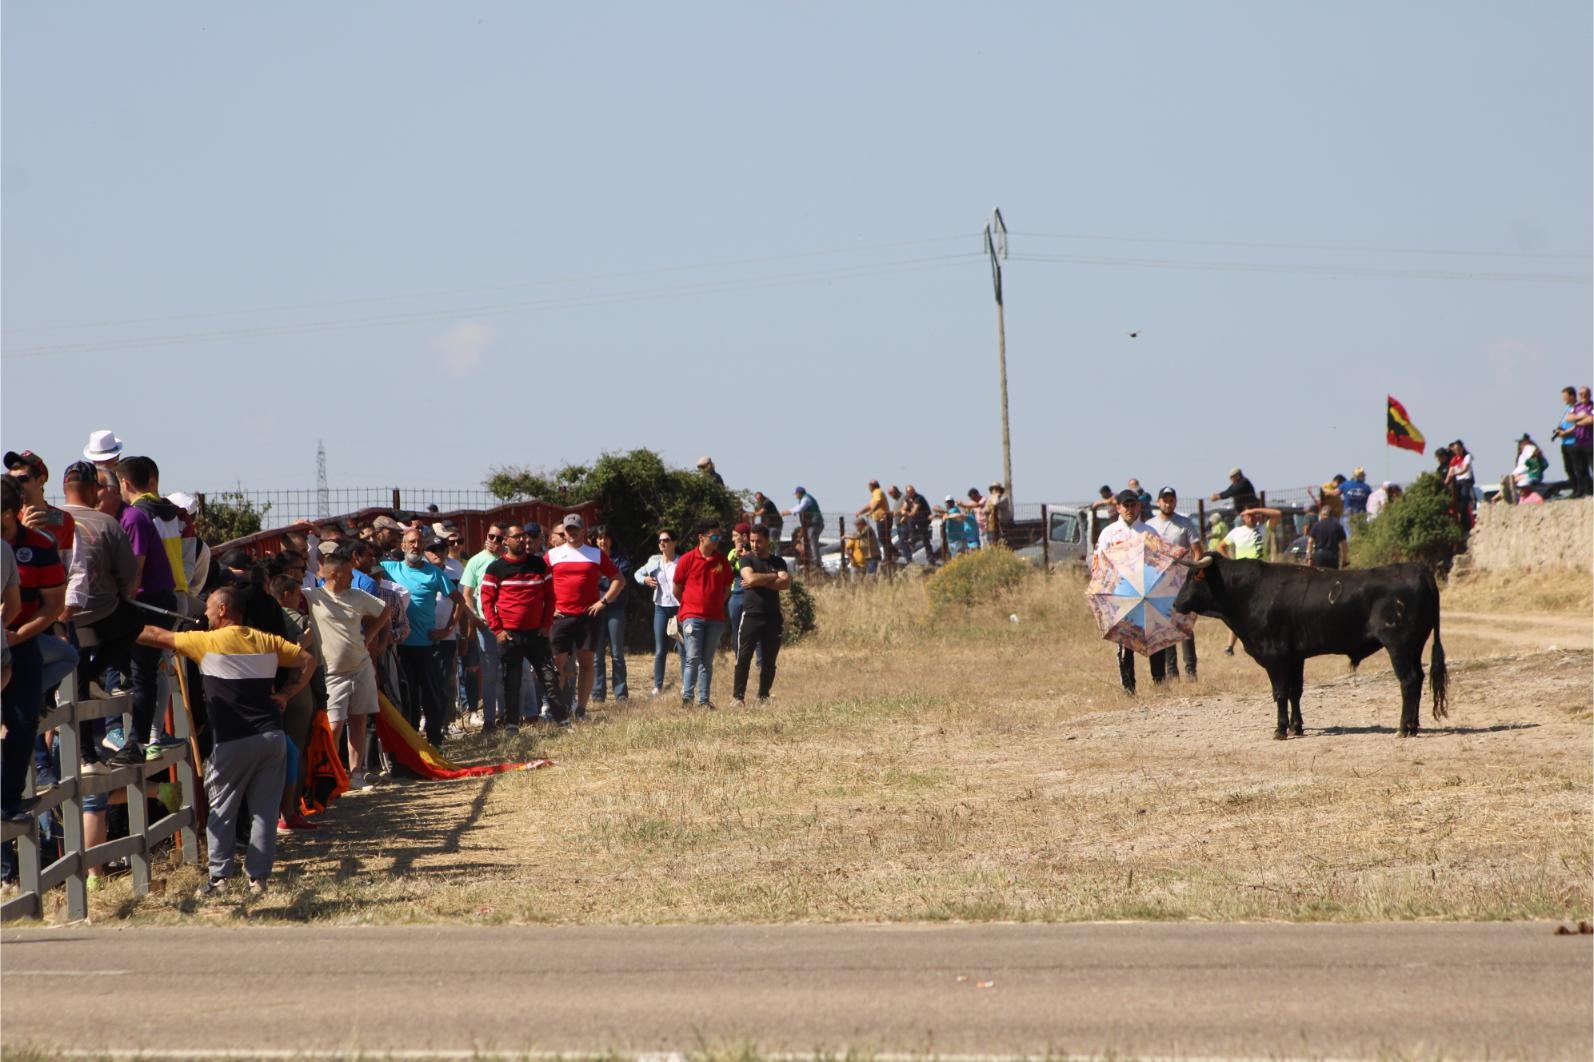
(36, 878)
(283, 507)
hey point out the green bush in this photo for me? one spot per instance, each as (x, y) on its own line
(637, 494)
(1417, 526)
(975, 578)
(801, 619)
(227, 516)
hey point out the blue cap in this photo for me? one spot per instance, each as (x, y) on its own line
(532, 527)
(800, 490)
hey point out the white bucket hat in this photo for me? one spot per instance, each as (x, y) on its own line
(103, 446)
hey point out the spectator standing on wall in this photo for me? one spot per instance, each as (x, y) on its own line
(1458, 477)
(811, 522)
(863, 547)
(658, 575)
(1354, 492)
(878, 511)
(1573, 458)
(954, 527)
(767, 513)
(705, 465)
(918, 523)
(1239, 492)
(998, 514)
(702, 582)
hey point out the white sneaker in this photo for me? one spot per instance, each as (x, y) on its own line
(656, 691)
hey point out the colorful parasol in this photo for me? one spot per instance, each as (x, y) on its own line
(1131, 591)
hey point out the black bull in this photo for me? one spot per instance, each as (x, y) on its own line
(1284, 613)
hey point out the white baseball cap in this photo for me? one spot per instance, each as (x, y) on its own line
(103, 446)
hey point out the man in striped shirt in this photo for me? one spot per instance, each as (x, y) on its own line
(249, 761)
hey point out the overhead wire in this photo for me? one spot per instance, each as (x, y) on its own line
(478, 311)
(513, 286)
(1357, 248)
(1288, 267)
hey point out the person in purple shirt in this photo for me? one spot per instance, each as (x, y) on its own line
(156, 588)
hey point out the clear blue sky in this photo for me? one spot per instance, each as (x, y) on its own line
(449, 237)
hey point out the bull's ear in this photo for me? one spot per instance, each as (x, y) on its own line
(1200, 574)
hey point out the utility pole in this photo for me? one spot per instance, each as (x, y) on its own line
(996, 248)
(323, 496)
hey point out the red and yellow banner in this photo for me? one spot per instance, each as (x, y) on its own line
(1401, 431)
(416, 754)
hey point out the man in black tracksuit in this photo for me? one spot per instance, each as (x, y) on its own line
(764, 576)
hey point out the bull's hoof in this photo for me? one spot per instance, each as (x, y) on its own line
(1280, 735)
(1298, 731)
(1403, 732)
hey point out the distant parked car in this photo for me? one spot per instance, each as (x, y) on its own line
(1071, 533)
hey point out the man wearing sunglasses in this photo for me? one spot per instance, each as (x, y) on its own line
(517, 601)
(470, 582)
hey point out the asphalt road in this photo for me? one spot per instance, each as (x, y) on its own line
(1501, 991)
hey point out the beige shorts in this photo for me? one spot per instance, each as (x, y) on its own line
(351, 693)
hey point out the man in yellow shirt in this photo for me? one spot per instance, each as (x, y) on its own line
(879, 513)
(249, 759)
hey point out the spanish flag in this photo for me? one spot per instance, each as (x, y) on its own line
(1402, 432)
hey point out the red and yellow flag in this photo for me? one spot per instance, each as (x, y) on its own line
(1401, 431)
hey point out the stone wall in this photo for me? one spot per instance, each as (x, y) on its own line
(1529, 537)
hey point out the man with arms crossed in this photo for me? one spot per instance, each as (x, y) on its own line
(764, 576)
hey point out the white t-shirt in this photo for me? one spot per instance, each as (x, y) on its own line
(1119, 531)
(337, 623)
(1247, 543)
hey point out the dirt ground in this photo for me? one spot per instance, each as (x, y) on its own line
(970, 767)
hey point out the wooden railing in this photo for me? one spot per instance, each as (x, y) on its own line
(71, 869)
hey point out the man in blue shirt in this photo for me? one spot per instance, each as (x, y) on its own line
(1354, 493)
(417, 654)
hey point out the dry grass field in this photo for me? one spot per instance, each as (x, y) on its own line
(967, 767)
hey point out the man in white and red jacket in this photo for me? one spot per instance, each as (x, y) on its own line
(517, 604)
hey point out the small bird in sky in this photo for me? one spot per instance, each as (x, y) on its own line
(1134, 334)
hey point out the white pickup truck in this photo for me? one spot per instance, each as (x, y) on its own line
(1071, 532)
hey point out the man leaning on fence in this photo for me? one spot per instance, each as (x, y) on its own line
(249, 761)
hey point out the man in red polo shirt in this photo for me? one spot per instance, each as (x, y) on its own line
(702, 584)
(577, 605)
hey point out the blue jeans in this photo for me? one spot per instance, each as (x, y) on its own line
(661, 642)
(611, 643)
(733, 614)
(491, 683)
(59, 659)
(702, 637)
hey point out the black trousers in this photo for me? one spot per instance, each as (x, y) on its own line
(1576, 461)
(423, 677)
(146, 663)
(533, 648)
(759, 633)
(1166, 663)
(20, 705)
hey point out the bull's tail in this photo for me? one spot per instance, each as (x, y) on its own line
(1437, 675)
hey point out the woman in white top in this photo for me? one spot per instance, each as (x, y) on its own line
(1459, 480)
(659, 575)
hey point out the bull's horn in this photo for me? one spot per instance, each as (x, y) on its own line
(1204, 562)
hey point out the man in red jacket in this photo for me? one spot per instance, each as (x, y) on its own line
(517, 604)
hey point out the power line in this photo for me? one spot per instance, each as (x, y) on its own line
(561, 302)
(1360, 248)
(1286, 267)
(513, 286)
